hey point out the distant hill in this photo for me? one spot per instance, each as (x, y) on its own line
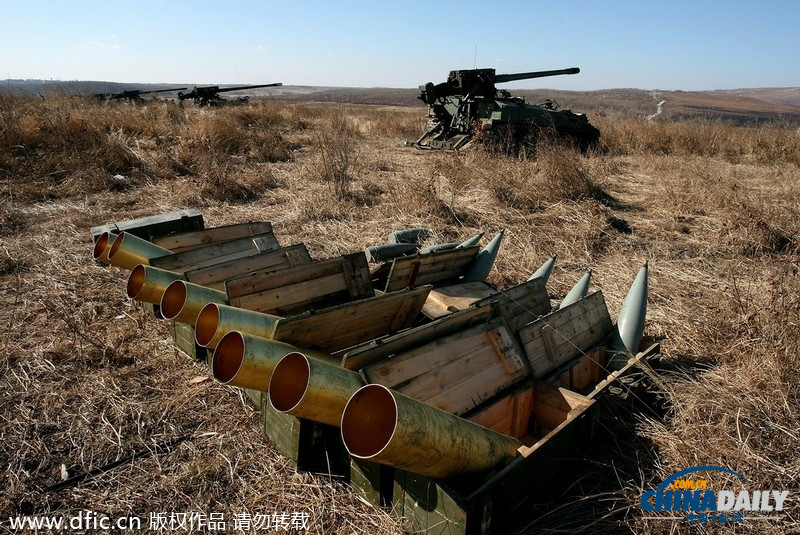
(741, 106)
(789, 96)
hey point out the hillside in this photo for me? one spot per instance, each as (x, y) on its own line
(740, 106)
(91, 380)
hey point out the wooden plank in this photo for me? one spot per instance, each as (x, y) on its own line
(520, 304)
(365, 477)
(378, 350)
(426, 507)
(295, 298)
(154, 226)
(549, 412)
(282, 429)
(254, 396)
(342, 326)
(192, 240)
(183, 336)
(448, 299)
(406, 366)
(297, 256)
(552, 406)
(455, 373)
(590, 329)
(429, 268)
(406, 315)
(496, 416)
(215, 276)
(476, 389)
(632, 363)
(565, 315)
(586, 371)
(430, 382)
(506, 347)
(248, 285)
(570, 344)
(521, 414)
(206, 255)
(509, 413)
(357, 279)
(558, 337)
(298, 289)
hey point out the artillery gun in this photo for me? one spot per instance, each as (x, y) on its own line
(133, 95)
(209, 95)
(468, 106)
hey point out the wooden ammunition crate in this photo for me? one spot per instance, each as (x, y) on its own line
(183, 336)
(314, 447)
(154, 226)
(562, 423)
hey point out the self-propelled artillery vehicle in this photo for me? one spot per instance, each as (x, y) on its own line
(209, 95)
(469, 106)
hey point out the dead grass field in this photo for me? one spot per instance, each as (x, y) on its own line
(89, 378)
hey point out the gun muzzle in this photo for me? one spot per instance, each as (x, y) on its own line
(103, 246)
(313, 389)
(128, 251)
(182, 301)
(387, 427)
(247, 361)
(147, 284)
(216, 320)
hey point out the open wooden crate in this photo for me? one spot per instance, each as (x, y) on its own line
(552, 415)
(559, 424)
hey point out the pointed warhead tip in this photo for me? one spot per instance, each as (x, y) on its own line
(482, 264)
(471, 241)
(494, 243)
(544, 270)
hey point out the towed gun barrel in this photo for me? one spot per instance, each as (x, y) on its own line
(210, 94)
(134, 94)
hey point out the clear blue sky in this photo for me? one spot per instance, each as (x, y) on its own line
(678, 44)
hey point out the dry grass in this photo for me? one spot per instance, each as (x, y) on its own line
(89, 378)
(337, 154)
(766, 144)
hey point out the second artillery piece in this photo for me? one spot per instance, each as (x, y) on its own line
(468, 106)
(209, 95)
(133, 95)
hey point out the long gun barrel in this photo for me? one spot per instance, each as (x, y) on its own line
(246, 87)
(163, 90)
(501, 78)
(211, 93)
(135, 93)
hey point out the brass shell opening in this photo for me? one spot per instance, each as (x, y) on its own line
(228, 357)
(100, 245)
(116, 245)
(289, 382)
(369, 421)
(135, 281)
(205, 328)
(173, 300)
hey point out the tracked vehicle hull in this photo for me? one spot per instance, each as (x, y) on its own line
(468, 107)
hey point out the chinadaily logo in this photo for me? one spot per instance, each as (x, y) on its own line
(689, 494)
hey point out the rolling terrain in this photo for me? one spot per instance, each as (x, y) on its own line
(739, 106)
(90, 378)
